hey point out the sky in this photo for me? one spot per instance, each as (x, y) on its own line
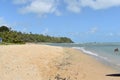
(80, 20)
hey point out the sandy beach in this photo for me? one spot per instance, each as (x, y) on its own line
(43, 62)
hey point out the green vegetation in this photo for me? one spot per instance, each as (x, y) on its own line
(11, 36)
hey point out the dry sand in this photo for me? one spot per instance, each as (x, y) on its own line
(42, 62)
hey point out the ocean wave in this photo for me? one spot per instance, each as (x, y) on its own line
(91, 53)
(85, 51)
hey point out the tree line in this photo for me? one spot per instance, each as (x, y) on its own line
(11, 36)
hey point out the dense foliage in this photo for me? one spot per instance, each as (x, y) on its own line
(11, 36)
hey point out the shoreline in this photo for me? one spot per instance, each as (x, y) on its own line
(43, 62)
(100, 59)
(92, 69)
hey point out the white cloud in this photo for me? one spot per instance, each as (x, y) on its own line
(100, 4)
(73, 5)
(77, 5)
(41, 7)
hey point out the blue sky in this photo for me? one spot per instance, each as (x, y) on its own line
(80, 20)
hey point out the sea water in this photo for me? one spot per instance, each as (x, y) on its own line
(104, 52)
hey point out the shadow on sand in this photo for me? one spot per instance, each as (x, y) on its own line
(114, 75)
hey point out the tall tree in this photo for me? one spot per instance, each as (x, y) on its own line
(4, 29)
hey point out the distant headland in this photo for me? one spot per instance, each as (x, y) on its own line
(8, 35)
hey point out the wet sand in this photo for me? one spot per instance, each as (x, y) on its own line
(42, 62)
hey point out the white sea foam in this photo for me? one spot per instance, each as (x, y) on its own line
(86, 51)
(91, 53)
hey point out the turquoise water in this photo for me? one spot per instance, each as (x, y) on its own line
(103, 52)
